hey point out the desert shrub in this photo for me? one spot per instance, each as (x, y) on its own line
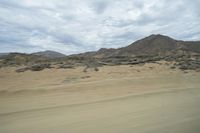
(96, 69)
(22, 69)
(85, 69)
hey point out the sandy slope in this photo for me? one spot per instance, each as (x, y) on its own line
(150, 98)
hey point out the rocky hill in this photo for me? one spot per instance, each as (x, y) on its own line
(184, 55)
(49, 54)
(3, 54)
(15, 59)
(151, 45)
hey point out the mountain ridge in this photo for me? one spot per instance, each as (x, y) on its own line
(151, 45)
(45, 54)
(154, 44)
(184, 55)
(49, 54)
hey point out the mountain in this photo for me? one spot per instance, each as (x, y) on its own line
(3, 54)
(49, 54)
(13, 59)
(159, 44)
(151, 45)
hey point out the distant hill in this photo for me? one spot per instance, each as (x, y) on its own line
(159, 44)
(3, 54)
(13, 59)
(151, 45)
(49, 54)
(38, 55)
(153, 48)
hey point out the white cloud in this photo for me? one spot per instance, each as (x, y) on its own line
(73, 26)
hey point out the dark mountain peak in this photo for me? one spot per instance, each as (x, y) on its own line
(106, 49)
(157, 37)
(152, 45)
(49, 54)
(102, 49)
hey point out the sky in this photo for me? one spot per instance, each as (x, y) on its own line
(76, 26)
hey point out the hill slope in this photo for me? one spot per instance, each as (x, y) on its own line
(159, 44)
(151, 45)
(50, 54)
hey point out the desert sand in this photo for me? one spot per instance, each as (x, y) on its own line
(150, 98)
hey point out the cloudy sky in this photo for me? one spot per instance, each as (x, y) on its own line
(73, 26)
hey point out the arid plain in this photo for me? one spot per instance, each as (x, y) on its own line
(145, 98)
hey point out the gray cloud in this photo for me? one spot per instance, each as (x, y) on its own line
(73, 26)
